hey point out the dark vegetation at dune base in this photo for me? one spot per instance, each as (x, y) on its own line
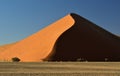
(15, 59)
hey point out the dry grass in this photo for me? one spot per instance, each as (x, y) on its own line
(60, 69)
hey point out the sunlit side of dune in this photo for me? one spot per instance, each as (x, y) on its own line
(39, 45)
(6, 46)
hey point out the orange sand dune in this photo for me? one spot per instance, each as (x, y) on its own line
(67, 39)
(39, 45)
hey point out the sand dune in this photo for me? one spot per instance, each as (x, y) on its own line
(68, 39)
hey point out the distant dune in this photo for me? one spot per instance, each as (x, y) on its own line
(68, 39)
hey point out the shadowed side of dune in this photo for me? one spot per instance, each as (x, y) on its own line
(88, 41)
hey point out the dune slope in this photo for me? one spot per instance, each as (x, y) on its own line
(39, 45)
(6, 46)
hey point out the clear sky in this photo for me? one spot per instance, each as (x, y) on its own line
(21, 18)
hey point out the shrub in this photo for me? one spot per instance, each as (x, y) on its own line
(106, 59)
(15, 59)
(81, 60)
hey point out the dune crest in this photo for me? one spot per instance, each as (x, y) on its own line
(68, 39)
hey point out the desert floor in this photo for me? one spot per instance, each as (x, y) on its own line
(59, 68)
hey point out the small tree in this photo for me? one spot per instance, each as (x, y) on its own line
(15, 59)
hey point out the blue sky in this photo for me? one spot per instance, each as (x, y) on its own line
(21, 18)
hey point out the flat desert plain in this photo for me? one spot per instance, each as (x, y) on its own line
(60, 69)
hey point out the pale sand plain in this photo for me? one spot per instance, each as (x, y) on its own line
(60, 69)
